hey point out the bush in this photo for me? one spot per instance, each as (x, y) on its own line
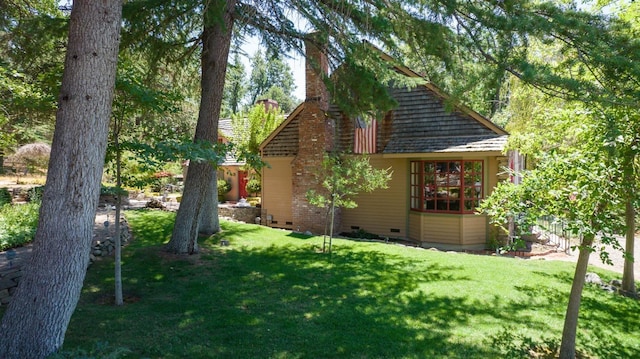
(5, 196)
(112, 191)
(360, 234)
(253, 186)
(35, 193)
(223, 186)
(18, 224)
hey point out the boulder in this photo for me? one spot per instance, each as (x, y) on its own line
(593, 278)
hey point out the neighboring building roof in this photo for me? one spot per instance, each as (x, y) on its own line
(226, 130)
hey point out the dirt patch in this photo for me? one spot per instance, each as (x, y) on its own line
(195, 259)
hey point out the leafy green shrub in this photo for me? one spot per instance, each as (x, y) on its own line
(18, 224)
(5, 196)
(253, 186)
(31, 194)
(112, 191)
(360, 234)
(224, 186)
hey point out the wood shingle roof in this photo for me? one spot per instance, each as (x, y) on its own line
(421, 123)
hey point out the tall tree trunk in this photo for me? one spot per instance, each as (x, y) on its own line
(118, 239)
(568, 345)
(38, 315)
(209, 221)
(216, 40)
(628, 280)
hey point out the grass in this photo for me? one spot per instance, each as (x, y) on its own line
(272, 294)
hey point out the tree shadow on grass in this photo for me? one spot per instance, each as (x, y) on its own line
(603, 317)
(299, 235)
(287, 301)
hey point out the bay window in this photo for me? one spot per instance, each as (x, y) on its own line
(450, 186)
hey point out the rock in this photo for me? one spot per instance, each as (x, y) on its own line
(308, 233)
(608, 288)
(616, 283)
(7, 283)
(97, 252)
(593, 278)
(154, 203)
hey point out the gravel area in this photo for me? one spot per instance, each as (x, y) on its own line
(594, 259)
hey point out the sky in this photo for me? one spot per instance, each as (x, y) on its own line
(295, 61)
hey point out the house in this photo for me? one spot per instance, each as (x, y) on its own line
(444, 163)
(233, 170)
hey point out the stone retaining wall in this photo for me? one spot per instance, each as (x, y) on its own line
(10, 276)
(242, 214)
(9, 279)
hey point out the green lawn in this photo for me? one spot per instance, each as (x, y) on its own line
(271, 294)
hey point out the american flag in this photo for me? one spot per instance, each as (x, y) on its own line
(364, 139)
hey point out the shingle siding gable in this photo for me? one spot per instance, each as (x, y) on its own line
(285, 143)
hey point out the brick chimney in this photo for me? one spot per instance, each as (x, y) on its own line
(315, 138)
(268, 104)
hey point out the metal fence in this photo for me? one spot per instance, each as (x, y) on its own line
(555, 230)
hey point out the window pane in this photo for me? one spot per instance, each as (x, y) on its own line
(469, 178)
(429, 204)
(429, 167)
(469, 205)
(473, 205)
(469, 192)
(454, 192)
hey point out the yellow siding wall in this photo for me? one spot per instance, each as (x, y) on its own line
(230, 173)
(415, 226)
(492, 168)
(383, 209)
(380, 211)
(441, 228)
(276, 191)
(449, 230)
(474, 229)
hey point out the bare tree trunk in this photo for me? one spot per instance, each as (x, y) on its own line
(209, 221)
(118, 238)
(36, 320)
(216, 40)
(628, 280)
(568, 346)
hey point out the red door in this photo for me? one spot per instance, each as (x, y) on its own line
(242, 182)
